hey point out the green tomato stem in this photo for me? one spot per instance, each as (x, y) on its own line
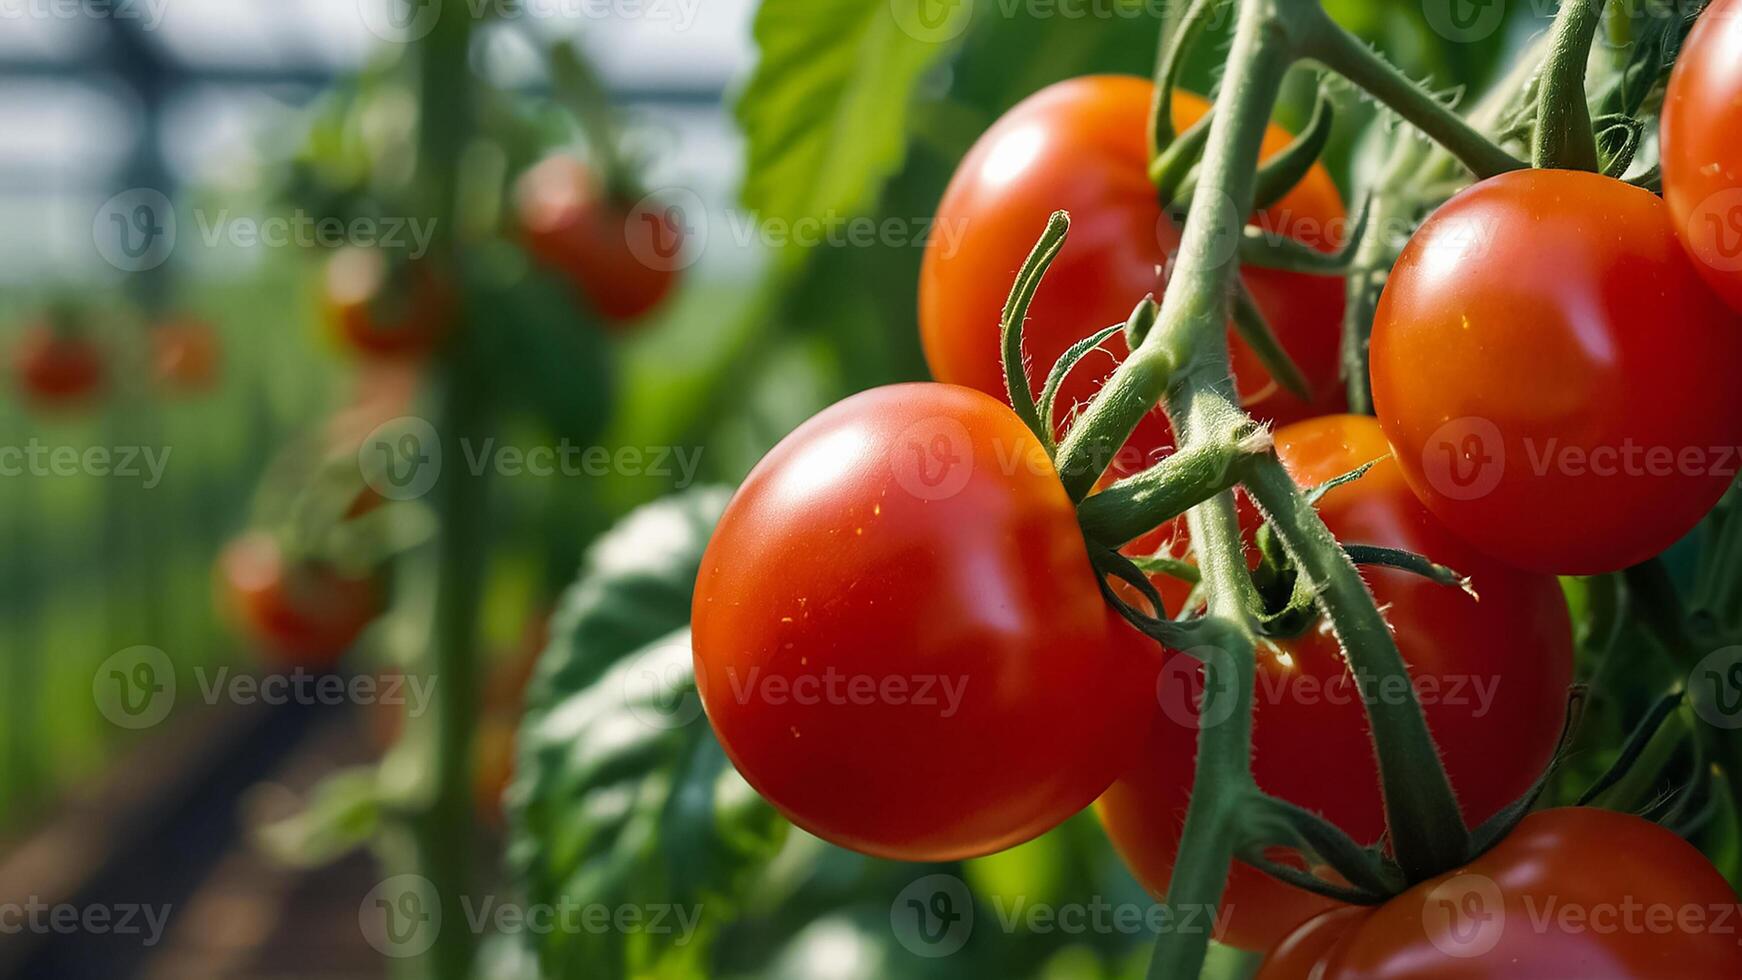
(1028, 279)
(1564, 139)
(1133, 507)
(1204, 412)
(1171, 57)
(1324, 41)
(440, 827)
(1426, 828)
(1185, 358)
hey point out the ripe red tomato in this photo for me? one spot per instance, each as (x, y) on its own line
(55, 370)
(1702, 160)
(899, 638)
(381, 306)
(185, 354)
(1492, 677)
(1080, 146)
(302, 614)
(1551, 372)
(568, 222)
(1573, 892)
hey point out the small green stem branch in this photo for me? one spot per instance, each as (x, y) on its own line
(1324, 41)
(1393, 207)
(1133, 507)
(1174, 46)
(1563, 122)
(1426, 827)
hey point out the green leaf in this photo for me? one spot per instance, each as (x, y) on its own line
(622, 798)
(825, 113)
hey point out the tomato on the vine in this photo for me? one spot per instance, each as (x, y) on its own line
(1552, 373)
(302, 613)
(383, 306)
(899, 637)
(185, 355)
(56, 370)
(1702, 158)
(568, 220)
(1492, 676)
(1573, 892)
(1079, 146)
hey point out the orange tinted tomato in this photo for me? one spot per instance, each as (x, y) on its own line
(185, 355)
(301, 614)
(1080, 146)
(568, 222)
(899, 638)
(1549, 368)
(1702, 157)
(1570, 893)
(380, 306)
(1492, 677)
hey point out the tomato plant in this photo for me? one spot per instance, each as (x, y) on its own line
(1702, 161)
(568, 220)
(300, 613)
(899, 638)
(1550, 370)
(185, 355)
(55, 370)
(1492, 676)
(1571, 892)
(381, 306)
(1079, 146)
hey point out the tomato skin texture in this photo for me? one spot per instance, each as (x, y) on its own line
(1702, 161)
(185, 356)
(300, 614)
(1558, 311)
(1498, 669)
(854, 556)
(381, 309)
(1079, 146)
(1588, 860)
(568, 222)
(56, 372)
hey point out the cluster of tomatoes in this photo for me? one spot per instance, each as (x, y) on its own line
(901, 642)
(383, 305)
(392, 312)
(59, 366)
